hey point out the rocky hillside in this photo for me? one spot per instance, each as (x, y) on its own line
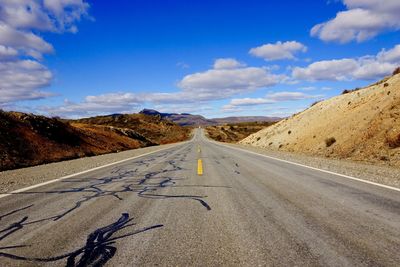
(27, 139)
(362, 124)
(234, 132)
(153, 127)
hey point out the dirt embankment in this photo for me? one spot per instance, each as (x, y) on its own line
(154, 128)
(28, 140)
(233, 133)
(362, 125)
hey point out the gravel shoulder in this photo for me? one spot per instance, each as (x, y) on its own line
(15, 179)
(380, 174)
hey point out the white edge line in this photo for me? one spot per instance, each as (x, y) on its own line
(83, 172)
(313, 168)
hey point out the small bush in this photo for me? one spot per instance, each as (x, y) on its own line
(258, 138)
(385, 85)
(289, 132)
(396, 71)
(346, 91)
(330, 141)
(393, 141)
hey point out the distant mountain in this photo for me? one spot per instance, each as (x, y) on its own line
(186, 119)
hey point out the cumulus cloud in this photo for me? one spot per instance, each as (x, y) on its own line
(26, 43)
(363, 20)
(43, 15)
(21, 48)
(362, 68)
(226, 79)
(227, 63)
(97, 105)
(268, 99)
(279, 50)
(223, 81)
(20, 80)
(326, 70)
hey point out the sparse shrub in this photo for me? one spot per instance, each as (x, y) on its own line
(258, 138)
(289, 132)
(346, 91)
(385, 85)
(396, 71)
(281, 145)
(330, 141)
(384, 158)
(393, 141)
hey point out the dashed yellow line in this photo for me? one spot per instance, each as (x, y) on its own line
(199, 167)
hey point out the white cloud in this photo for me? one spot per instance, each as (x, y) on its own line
(279, 50)
(7, 52)
(326, 70)
(289, 96)
(308, 88)
(362, 68)
(21, 47)
(20, 80)
(235, 104)
(97, 105)
(250, 101)
(202, 87)
(363, 20)
(392, 55)
(43, 15)
(227, 63)
(219, 83)
(25, 42)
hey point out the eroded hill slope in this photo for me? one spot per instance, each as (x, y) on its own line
(360, 125)
(27, 139)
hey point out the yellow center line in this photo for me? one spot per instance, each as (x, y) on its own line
(199, 167)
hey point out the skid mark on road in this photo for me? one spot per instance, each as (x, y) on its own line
(122, 182)
(97, 251)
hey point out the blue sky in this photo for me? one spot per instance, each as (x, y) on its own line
(216, 58)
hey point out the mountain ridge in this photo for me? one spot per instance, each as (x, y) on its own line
(187, 119)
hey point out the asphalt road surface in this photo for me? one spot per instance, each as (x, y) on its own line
(244, 210)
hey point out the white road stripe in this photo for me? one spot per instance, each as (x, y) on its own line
(82, 172)
(312, 168)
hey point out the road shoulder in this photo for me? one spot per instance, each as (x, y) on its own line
(389, 176)
(20, 178)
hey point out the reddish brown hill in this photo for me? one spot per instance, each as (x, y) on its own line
(154, 128)
(27, 140)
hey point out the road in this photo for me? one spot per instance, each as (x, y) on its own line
(244, 210)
